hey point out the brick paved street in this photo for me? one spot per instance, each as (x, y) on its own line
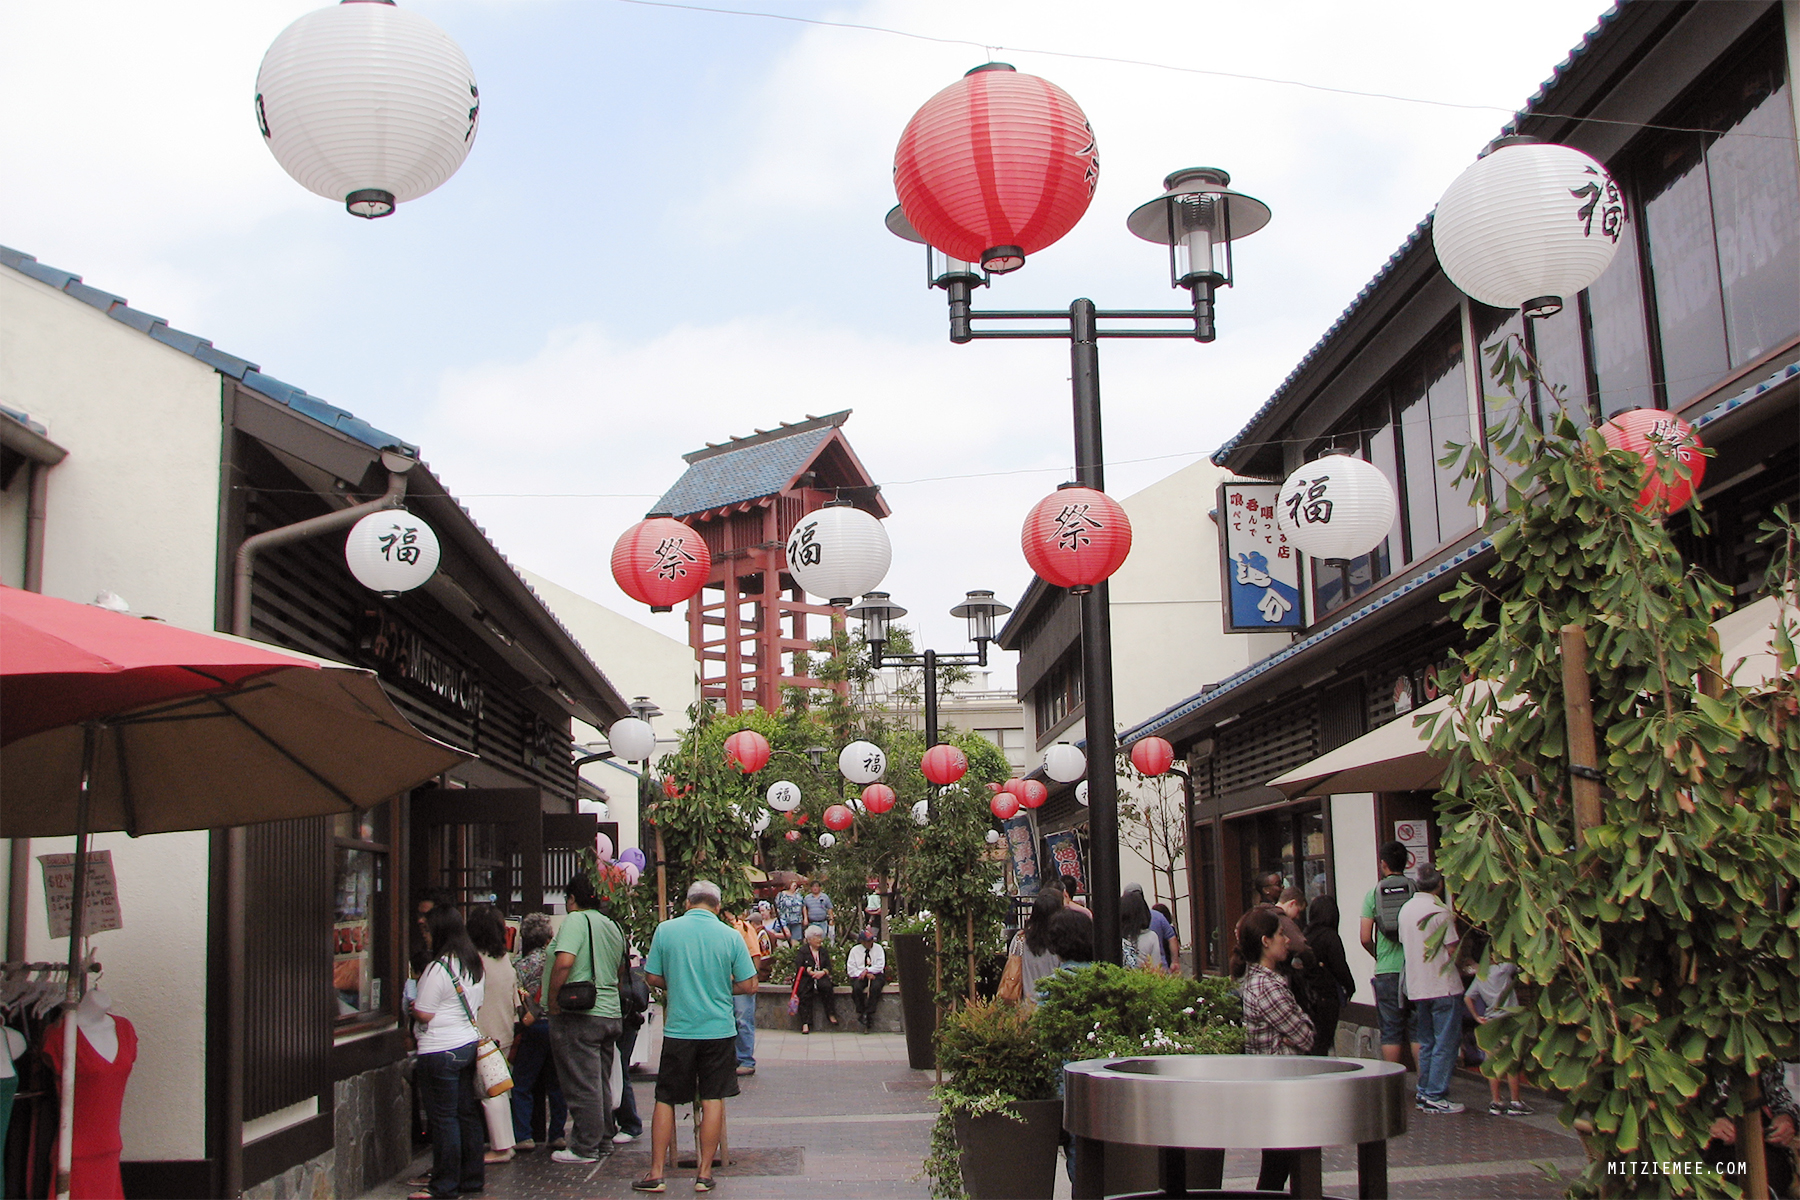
(842, 1115)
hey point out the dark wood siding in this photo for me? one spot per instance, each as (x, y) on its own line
(287, 965)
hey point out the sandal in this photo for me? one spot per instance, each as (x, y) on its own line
(423, 1195)
(806, 1029)
(704, 1183)
(648, 1184)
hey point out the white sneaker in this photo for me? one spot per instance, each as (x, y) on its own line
(569, 1156)
(1441, 1108)
(621, 1137)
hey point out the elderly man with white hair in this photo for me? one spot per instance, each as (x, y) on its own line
(701, 963)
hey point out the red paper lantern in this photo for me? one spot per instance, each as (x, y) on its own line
(1032, 793)
(839, 817)
(943, 765)
(661, 562)
(996, 166)
(792, 835)
(1152, 755)
(1004, 805)
(878, 798)
(1014, 788)
(1643, 431)
(747, 750)
(1076, 537)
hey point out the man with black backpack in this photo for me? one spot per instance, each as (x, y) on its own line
(1381, 938)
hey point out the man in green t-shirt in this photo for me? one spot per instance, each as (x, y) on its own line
(1390, 958)
(701, 963)
(586, 949)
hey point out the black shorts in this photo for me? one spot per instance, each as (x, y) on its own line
(704, 1069)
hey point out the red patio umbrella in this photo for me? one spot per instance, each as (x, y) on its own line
(116, 722)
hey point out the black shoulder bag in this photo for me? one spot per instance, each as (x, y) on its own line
(580, 997)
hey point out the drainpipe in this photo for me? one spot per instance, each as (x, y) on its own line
(236, 842)
(41, 456)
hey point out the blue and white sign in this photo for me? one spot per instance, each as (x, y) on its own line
(1261, 570)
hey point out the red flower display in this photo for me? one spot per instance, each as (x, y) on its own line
(1004, 805)
(661, 562)
(673, 789)
(996, 166)
(943, 765)
(792, 835)
(878, 798)
(839, 817)
(1032, 793)
(747, 750)
(1643, 431)
(1152, 755)
(1076, 537)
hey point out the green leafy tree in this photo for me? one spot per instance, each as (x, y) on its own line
(1660, 949)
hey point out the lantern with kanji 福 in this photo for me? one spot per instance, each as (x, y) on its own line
(1004, 805)
(1665, 442)
(827, 841)
(839, 552)
(1337, 508)
(1065, 763)
(632, 739)
(943, 765)
(1152, 755)
(747, 750)
(862, 762)
(921, 812)
(878, 798)
(391, 551)
(783, 796)
(1076, 537)
(995, 167)
(839, 817)
(660, 562)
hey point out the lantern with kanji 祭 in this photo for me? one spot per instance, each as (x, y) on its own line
(839, 817)
(1032, 793)
(1076, 537)
(1666, 443)
(995, 167)
(1337, 508)
(1152, 755)
(1004, 805)
(943, 765)
(660, 562)
(878, 798)
(747, 750)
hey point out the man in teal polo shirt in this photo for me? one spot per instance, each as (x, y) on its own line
(701, 963)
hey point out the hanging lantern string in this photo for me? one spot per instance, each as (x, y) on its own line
(1237, 75)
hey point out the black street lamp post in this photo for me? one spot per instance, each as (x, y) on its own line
(878, 611)
(1198, 216)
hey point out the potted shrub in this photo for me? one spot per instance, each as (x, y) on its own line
(1106, 1011)
(999, 1118)
(918, 1002)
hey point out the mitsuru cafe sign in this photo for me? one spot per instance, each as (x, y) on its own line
(400, 654)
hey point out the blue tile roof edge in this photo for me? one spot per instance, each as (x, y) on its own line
(243, 370)
(1169, 716)
(1219, 456)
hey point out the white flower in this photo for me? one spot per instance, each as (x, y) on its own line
(1187, 1012)
(1090, 1037)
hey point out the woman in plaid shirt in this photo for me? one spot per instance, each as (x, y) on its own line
(1273, 1022)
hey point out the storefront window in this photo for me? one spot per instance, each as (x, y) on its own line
(363, 919)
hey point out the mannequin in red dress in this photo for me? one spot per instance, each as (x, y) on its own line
(105, 1049)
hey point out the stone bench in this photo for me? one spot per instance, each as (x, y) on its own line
(772, 1013)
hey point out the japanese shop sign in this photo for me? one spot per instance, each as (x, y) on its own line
(1261, 570)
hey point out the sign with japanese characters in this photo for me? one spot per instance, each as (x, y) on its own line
(1261, 570)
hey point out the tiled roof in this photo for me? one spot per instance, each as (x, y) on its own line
(1419, 233)
(747, 468)
(248, 373)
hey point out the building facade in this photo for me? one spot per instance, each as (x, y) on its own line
(1692, 109)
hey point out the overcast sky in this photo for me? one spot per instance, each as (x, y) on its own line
(669, 232)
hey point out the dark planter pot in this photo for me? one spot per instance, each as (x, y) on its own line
(918, 1007)
(1004, 1160)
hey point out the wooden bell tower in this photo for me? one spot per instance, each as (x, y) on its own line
(745, 496)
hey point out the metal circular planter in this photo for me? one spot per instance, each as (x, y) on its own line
(1212, 1102)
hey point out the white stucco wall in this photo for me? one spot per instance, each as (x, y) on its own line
(132, 510)
(1353, 858)
(640, 662)
(13, 506)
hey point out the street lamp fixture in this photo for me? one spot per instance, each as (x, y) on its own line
(1198, 217)
(878, 611)
(980, 609)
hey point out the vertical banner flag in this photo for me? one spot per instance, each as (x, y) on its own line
(1260, 569)
(1021, 842)
(1062, 856)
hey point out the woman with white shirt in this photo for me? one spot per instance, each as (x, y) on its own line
(450, 994)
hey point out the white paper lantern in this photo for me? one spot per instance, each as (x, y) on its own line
(1528, 226)
(838, 552)
(827, 841)
(921, 812)
(367, 104)
(391, 551)
(856, 806)
(1337, 507)
(1081, 793)
(993, 837)
(784, 796)
(862, 762)
(761, 823)
(1065, 763)
(632, 739)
